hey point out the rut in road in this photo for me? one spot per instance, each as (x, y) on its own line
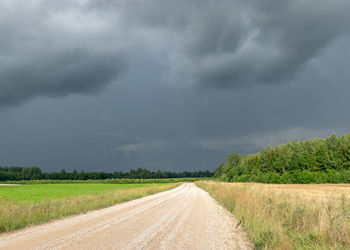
(182, 218)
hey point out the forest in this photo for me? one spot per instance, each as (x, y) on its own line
(310, 161)
(35, 173)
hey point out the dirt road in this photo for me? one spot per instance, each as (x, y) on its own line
(183, 218)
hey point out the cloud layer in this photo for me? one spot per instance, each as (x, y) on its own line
(167, 84)
(49, 48)
(237, 43)
(55, 48)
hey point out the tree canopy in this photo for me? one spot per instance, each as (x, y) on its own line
(35, 173)
(309, 161)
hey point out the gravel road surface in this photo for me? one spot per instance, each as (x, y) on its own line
(183, 218)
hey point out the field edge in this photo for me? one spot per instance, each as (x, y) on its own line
(16, 216)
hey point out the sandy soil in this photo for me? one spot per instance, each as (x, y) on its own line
(183, 218)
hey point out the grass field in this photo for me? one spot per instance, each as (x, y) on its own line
(36, 193)
(25, 205)
(288, 216)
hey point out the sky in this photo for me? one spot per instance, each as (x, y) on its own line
(102, 85)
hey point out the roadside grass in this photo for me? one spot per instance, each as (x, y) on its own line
(15, 215)
(288, 216)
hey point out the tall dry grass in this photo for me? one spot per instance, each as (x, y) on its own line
(288, 216)
(14, 216)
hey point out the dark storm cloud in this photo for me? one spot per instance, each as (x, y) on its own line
(287, 62)
(238, 43)
(54, 49)
(71, 71)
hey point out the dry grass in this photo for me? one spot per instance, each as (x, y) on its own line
(314, 192)
(287, 216)
(15, 215)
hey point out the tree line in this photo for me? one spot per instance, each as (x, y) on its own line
(309, 161)
(35, 173)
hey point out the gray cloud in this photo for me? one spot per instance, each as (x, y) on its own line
(140, 147)
(237, 43)
(54, 49)
(149, 57)
(72, 71)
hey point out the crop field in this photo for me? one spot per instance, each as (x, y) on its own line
(23, 205)
(39, 192)
(288, 216)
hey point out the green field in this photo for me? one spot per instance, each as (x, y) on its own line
(32, 204)
(39, 192)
